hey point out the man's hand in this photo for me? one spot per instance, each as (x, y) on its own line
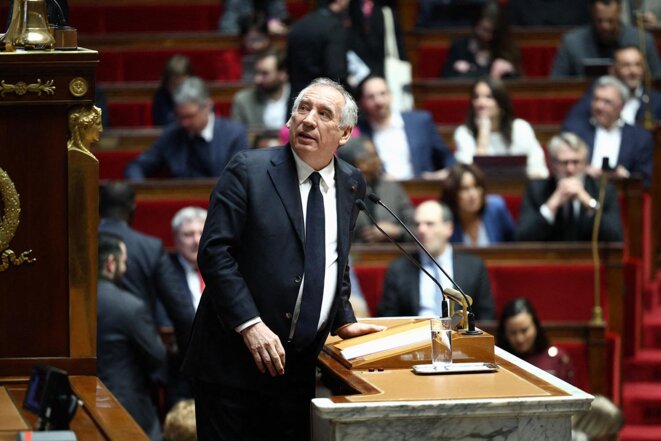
(265, 348)
(357, 329)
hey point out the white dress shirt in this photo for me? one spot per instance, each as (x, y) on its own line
(430, 297)
(392, 147)
(275, 111)
(606, 145)
(193, 280)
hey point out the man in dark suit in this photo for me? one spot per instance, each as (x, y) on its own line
(628, 148)
(408, 292)
(629, 67)
(408, 143)
(274, 255)
(317, 46)
(563, 206)
(198, 145)
(129, 349)
(149, 274)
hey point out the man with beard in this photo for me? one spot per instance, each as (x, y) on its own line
(129, 349)
(265, 104)
(599, 40)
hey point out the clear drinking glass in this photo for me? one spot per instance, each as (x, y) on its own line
(441, 342)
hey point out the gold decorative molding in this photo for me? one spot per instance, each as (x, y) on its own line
(21, 88)
(85, 128)
(78, 87)
(9, 224)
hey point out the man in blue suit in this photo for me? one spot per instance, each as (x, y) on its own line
(629, 67)
(198, 145)
(628, 148)
(408, 143)
(274, 255)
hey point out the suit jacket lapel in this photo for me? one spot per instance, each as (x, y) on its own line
(285, 180)
(345, 187)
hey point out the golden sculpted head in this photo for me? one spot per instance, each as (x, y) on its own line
(84, 127)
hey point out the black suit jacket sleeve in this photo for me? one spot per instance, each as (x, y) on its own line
(148, 345)
(532, 225)
(172, 294)
(400, 290)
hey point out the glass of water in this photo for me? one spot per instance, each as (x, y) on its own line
(441, 342)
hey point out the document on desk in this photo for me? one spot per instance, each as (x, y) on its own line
(415, 336)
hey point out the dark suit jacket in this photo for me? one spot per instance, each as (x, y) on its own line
(128, 350)
(496, 219)
(150, 276)
(581, 111)
(401, 289)
(251, 257)
(534, 227)
(636, 147)
(316, 47)
(173, 152)
(162, 318)
(427, 149)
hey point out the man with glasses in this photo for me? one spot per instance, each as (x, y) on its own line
(563, 206)
(198, 145)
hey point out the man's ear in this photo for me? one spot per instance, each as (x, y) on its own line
(110, 264)
(346, 135)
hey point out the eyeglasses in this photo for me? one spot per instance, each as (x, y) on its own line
(566, 162)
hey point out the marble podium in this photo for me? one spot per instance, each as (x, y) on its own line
(518, 402)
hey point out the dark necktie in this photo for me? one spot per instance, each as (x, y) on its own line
(314, 267)
(197, 158)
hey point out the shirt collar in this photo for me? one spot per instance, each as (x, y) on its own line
(207, 131)
(186, 264)
(394, 122)
(618, 125)
(303, 170)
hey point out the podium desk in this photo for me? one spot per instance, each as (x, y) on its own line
(518, 402)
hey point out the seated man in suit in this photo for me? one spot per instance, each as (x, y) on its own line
(599, 40)
(266, 102)
(628, 67)
(198, 145)
(408, 143)
(129, 349)
(628, 148)
(562, 207)
(407, 291)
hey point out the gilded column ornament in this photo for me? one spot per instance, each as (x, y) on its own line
(85, 128)
(21, 88)
(9, 224)
(78, 87)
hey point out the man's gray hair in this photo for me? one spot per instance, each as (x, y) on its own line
(568, 139)
(191, 90)
(611, 81)
(187, 214)
(349, 115)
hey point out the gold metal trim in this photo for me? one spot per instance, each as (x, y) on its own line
(78, 87)
(21, 88)
(9, 224)
(85, 128)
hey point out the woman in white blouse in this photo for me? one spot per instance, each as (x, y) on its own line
(491, 129)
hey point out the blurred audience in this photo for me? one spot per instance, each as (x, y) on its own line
(492, 129)
(255, 39)
(628, 67)
(361, 153)
(563, 206)
(479, 219)
(649, 12)
(447, 13)
(549, 13)
(180, 422)
(265, 103)
(628, 148)
(488, 50)
(199, 144)
(407, 143)
(175, 71)
(129, 350)
(267, 138)
(274, 12)
(407, 292)
(598, 40)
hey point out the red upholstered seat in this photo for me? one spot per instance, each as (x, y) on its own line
(113, 163)
(139, 114)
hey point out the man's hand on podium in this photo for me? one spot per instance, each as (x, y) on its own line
(358, 329)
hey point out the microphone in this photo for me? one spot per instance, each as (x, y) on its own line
(471, 317)
(445, 305)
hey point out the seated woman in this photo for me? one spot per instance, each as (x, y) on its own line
(488, 50)
(175, 71)
(479, 219)
(492, 129)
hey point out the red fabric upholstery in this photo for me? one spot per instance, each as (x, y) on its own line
(371, 279)
(578, 354)
(153, 217)
(138, 113)
(113, 163)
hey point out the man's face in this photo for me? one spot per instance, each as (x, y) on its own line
(187, 239)
(606, 22)
(370, 163)
(193, 117)
(433, 232)
(120, 264)
(268, 79)
(568, 162)
(375, 100)
(606, 106)
(314, 127)
(629, 68)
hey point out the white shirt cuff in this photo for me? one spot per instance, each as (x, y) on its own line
(247, 324)
(545, 211)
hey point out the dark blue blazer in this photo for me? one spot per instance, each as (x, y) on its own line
(636, 148)
(428, 150)
(251, 256)
(172, 152)
(497, 222)
(162, 318)
(581, 111)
